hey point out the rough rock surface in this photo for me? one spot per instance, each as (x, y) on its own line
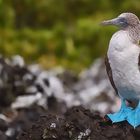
(36, 104)
(79, 124)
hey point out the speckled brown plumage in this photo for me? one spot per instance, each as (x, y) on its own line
(134, 26)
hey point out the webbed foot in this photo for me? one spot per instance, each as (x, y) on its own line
(122, 115)
(134, 117)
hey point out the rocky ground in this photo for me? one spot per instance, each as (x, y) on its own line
(58, 104)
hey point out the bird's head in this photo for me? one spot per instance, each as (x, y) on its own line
(124, 21)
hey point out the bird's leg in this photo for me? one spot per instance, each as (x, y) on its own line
(134, 116)
(121, 115)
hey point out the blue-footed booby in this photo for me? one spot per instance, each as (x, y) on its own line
(123, 66)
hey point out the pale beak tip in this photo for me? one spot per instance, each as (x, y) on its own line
(102, 23)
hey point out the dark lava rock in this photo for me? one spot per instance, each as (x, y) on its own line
(3, 125)
(24, 120)
(79, 124)
(3, 136)
(12, 82)
(53, 121)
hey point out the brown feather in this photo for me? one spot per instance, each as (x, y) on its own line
(139, 62)
(109, 73)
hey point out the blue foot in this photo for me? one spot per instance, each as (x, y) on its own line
(134, 117)
(122, 114)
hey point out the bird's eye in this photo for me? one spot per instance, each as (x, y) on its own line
(122, 19)
(123, 22)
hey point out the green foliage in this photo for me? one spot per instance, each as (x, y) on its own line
(59, 32)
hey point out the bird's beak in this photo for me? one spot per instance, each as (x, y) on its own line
(114, 21)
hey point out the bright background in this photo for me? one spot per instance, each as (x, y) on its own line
(59, 32)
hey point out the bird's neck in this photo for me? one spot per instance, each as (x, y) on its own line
(120, 41)
(134, 33)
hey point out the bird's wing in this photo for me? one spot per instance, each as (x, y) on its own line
(109, 73)
(132, 103)
(139, 62)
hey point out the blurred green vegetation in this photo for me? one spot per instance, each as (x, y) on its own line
(59, 32)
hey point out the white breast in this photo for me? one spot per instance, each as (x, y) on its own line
(123, 58)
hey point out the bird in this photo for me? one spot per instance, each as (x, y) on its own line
(122, 63)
